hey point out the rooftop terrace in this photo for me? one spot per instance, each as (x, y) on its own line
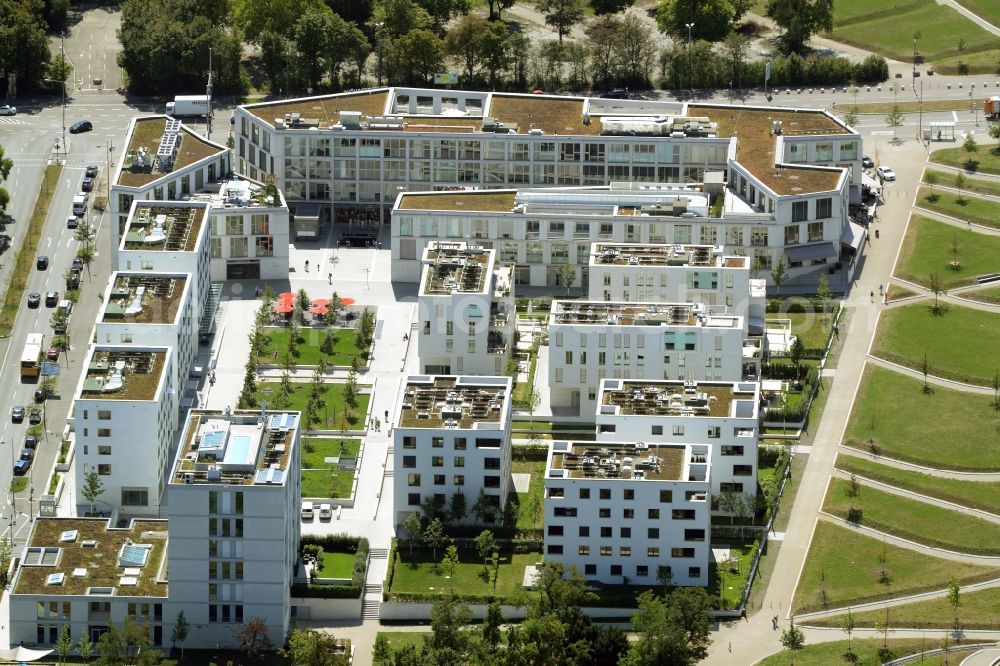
(85, 556)
(622, 461)
(625, 314)
(678, 398)
(498, 201)
(136, 298)
(123, 374)
(244, 448)
(453, 402)
(164, 228)
(453, 267)
(325, 110)
(623, 254)
(552, 115)
(142, 164)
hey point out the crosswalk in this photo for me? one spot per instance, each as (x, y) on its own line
(8, 120)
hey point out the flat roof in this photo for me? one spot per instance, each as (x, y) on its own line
(620, 461)
(648, 254)
(147, 133)
(755, 145)
(123, 374)
(499, 201)
(454, 267)
(164, 228)
(550, 113)
(678, 398)
(622, 313)
(247, 448)
(92, 555)
(454, 402)
(326, 109)
(137, 298)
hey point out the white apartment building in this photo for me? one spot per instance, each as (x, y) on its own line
(152, 309)
(466, 311)
(453, 437)
(620, 511)
(723, 415)
(125, 418)
(593, 340)
(235, 492)
(678, 274)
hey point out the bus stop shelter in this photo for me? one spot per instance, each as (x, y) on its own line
(940, 130)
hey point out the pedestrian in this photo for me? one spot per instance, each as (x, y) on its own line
(307, 265)
(329, 278)
(881, 291)
(387, 416)
(872, 295)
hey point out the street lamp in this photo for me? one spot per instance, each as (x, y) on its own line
(690, 78)
(62, 54)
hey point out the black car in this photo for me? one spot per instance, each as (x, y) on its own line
(81, 126)
(867, 162)
(17, 414)
(21, 467)
(42, 262)
(77, 264)
(51, 299)
(34, 417)
(30, 442)
(617, 93)
(72, 222)
(34, 299)
(41, 395)
(91, 172)
(87, 185)
(27, 454)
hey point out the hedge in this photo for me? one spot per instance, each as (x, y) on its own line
(338, 543)
(799, 304)
(529, 452)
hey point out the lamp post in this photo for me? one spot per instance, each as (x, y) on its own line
(690, 78)
(65, 151)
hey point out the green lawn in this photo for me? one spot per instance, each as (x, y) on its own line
(337, 565)
(727, 589)
(846, 565)
(18, 483)
(975, 494)
(983, 160)
(976, 610)
(924, 523)
(988, 295)
(400, 639)
(531, 512)
(308, 350)
(929, 248)
(972, 184)
(952, 342)
(866, 653)
(421, 574)
(986, 9)
(966, 207)
(330, 418)
(321, 479)
(812, 327)
(946, 429)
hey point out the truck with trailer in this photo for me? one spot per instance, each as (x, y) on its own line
(991, 108)
(189, 105)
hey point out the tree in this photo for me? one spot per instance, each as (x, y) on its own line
(482, 508)
(449, 619)
(566, 273)
(672, 629)
(180, 631)
(882, 626)
(665, 577)
(800, 19)
(931, 179)
(350, 393)
(25, 46)
(127, 645)
(491, 625)
(485, 544)
(848, 623)
(464, 41)
(84, 233)
(450, 561)
(894, 120)
(605, 7)
(307, 647)
(64, 644)
(93, 487)
(381, 652)
(793, 639)
(778, 276)
(823, 291)
(969, 145)
(496, 48)
(254, 639)
(954, 598)
(925, 368)
(85, 647)
(996, 390)
(6, 553)
(58, 69)
(412, 526)
(796, 351)
(851, 117)
(255, 17)
(936, 285)
(312, 33)
(712, 19)
(562, 15)
(421, 53)
(433, 536)
(960, 181)
(433, 507)
(755, 268)
(457, 507)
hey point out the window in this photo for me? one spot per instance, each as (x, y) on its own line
(605, 493)
(413, 499)
(616, 570)
(652, 551)
(437, 442)
(556, 492)
(460, 444)
(104, 432)
(742, 470)
(104, 470)
(682, 514)
(682, 552)
(666, 496)
(104, 450)
(584, 493)
(606, 533)
(694, 572)
(494, 463)
(694, 535)
(409, 462)
(264, 246)
(234, 225)
(678, 431)
(102, 414)
(656, 430)
(605, 512)
(238, 247)
(652, 532)
(800, 211)
(583, 530)
(583, 550)
(605, 551)
(714, 432)
(555, 530)
(624, 551)
(437, 461)
(554, 549)
(629, 494)
(824, 207)
(458, 461)
(732, 450)
(625, 532)
(590, 569)
(653, 514)
(642, 570)
(792, 234)
(409, 442)
(413, 480)
(628, 514)
(814, 231)
(135, 497)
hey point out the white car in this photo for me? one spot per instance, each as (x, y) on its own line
(307, 510)
(325, 512)
(8, 110)
(886, 173)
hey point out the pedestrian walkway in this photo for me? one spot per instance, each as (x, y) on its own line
(986, 477)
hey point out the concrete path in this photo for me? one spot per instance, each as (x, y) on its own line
(956, 222)
(985, 477)
(983, 658)
(931, 379)
(922, 293)
(975, 18)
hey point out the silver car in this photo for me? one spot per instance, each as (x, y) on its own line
(8, 110)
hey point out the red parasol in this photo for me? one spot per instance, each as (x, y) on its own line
(322, 302)
(283, 308)
(286, 296)
(347, 300)
(319, 309)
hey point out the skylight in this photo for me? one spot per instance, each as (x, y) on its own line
(55, 579)
(68, 536)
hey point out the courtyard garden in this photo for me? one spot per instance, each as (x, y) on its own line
(324, 479)
(312, 346)
(420, 576)
(330, 409)
(957, 256)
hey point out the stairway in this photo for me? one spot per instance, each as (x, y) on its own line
(206, 324)
(372, 601)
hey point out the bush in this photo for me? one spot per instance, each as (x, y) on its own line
(387, 584)
(796, 413)
(783, 371)
(528, 453)
(772, 456)
(798, 305)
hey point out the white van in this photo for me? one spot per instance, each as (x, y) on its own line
(80, 203)
(307, 511)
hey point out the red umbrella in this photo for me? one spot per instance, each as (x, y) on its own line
(347, 300)
(321, 301)
(286, 296)
(283, 308)
(319, 309)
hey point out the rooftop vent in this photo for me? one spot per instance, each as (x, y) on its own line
(79, 572)
(55, 579)
(69, 536)
(89, 543)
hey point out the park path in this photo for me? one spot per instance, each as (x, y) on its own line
(975, 18)
(984, 477)
(931, 379)
(957, 222)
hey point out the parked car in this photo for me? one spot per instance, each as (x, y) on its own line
(8, 110)
(90, 172)
(30, 442)
(42, 262)
(34, 416)
(53, 354)
(40, 395)
(77, 265)
(867, 162)
(72, 222)
(307, 511)
(886, 173)
(325, 512)
(27, 454)
(17, 413)
(51, 299)
(81, 126)
(34, 299)
(87, 185)
(21, 467)
(617, 93)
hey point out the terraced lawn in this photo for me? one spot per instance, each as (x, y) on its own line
(911, 519)
(974, 494)
(966, 207)
(988, 295)
(846, 566)
(928, 248)
(952, 342)
(983, 160)
(976, 610)
(867, 652)
(972, 184)
(946, 429)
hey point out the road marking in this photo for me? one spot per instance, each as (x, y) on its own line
(49, 243)
(883, 132)
(954, 116)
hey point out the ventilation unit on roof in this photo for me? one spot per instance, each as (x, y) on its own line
(55, 579)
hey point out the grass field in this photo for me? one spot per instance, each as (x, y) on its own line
(972, 184)
(906, 106)
(400, 639)
(308, 350)
(813, 328)
(976, 610)
(983, 160)
(968, 208)
(894, 292)
(321, 479)
(985, 9)
(337, 565)
(531, 512)
(946, 429)
(988, 295)
(975, 494)
(421, 574)
(330, 418)
(867, 652)
(847, 566)
(928, 248)
(917, 521)
(951, 341)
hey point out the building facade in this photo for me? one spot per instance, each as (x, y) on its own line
(466, 311)
(452, 437)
